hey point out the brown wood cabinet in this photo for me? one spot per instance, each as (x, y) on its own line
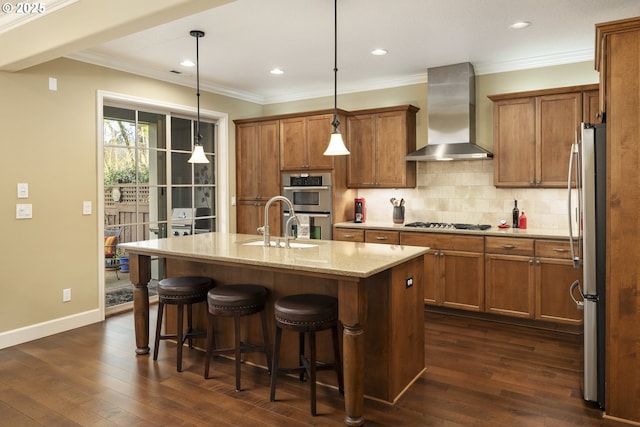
(348, 234)
(533, 133)
(257, 174)
(509, 279)
(554, 273)
(618, 61)
(303, 141)
(382, 236)
(379, 139)
(453, 269)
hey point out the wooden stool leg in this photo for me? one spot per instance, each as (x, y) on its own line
(301, 353)
(236, 323)
(312, 368)
(337, 358)
(274, 368)
(265, 337)
(210, 341)
(190, 324)
(179, 336)
(158, 330)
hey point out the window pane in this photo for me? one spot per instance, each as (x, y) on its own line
(156, 129)
(119, 165)
(157, 169)
(157, 203)
(180, 134)
(181, 197)
(207, 130)
(180, 168)
(119, 133)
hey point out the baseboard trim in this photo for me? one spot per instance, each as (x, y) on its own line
(51, 327)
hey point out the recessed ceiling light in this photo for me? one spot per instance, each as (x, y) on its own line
(187, 63)
(520, 25)
(379, 52)
(277, 71)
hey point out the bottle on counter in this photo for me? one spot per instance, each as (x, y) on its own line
(523, 220)
(516, 215)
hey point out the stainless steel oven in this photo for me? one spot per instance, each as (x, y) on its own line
(311, 198)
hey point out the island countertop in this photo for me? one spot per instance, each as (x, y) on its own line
(326, 256)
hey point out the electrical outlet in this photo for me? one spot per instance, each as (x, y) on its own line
(66, 295)
(408, 282)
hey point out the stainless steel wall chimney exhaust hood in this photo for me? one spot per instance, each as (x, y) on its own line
(451, 113)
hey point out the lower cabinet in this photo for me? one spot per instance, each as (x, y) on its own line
(554, 273)
(530, 278)
(510, 276)
(453, 269)
(509, 282)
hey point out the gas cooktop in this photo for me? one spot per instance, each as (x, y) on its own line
(448, 226)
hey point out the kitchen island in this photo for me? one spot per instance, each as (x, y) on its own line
(379, 290)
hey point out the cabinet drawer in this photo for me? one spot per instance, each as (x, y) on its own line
(454, 242)
(348, 235)
(381, 236)
(509, 246)
(554, 249)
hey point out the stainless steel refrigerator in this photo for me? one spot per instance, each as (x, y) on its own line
(587, 225)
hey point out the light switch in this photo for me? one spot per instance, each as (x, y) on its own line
(23, 190)
(86, 208)
(24, 211)
(53, 83)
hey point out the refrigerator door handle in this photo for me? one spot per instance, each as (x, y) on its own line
(574, 155)
(579, 304)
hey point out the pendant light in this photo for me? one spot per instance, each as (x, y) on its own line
(198, 155)
(336, 144)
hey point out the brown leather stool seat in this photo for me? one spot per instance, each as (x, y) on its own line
(181, 291)
(237, 301)
(307, 314)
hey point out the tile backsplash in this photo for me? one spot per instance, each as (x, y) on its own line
(463, 192)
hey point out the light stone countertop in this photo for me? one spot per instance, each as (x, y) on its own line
(330, 257)
(494, 231)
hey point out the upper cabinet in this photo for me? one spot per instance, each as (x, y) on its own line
(533, 132)
(257, 168)
(303, 140)
(379, 139)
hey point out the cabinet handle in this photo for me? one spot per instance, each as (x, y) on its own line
(348, 236)
(537, 262)
(508, 246)
(530, 262)
(538, 182)
(531, 182)
(562, 250)
(381, 238)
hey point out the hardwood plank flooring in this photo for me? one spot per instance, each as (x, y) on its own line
(479, 373)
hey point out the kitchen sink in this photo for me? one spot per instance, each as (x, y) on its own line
(273, 243)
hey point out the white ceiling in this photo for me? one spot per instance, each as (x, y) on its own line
(246, 38)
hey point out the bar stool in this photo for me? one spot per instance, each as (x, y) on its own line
(181, 291)
(307, 314)
(237, 301)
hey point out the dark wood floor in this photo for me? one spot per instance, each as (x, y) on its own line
(479, 373)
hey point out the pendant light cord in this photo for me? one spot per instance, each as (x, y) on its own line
(335, 122)
(197, 34)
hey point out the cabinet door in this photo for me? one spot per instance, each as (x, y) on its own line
(591, 107)
(293, 154)
(552, 281)
(558, 119)
(431, 278)
(462, 280)
(509, 285)
(257, 167)
(391, 139)
(250, 216)
(318, 134)
(361, 140)
(514, 135)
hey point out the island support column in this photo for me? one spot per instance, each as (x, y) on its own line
(352, 297)
(140, 275)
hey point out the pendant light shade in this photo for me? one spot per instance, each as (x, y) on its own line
(336, 144)
(198, 155)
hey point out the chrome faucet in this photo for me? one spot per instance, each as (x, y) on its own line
(265, 228)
